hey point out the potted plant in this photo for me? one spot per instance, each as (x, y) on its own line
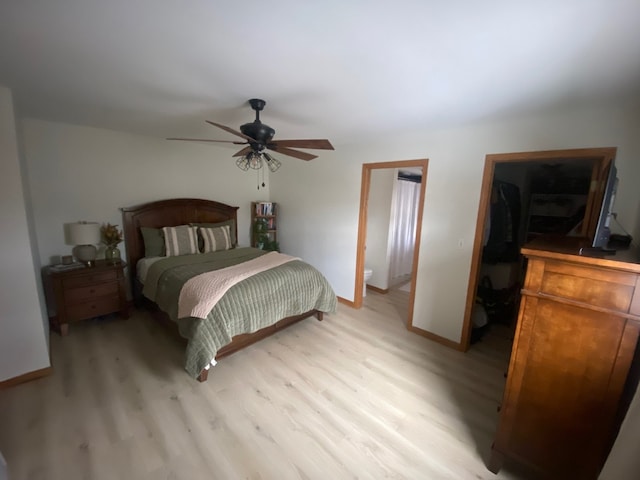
(261, 235)
(111, 237)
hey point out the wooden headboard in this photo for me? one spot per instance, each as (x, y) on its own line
(167, 213)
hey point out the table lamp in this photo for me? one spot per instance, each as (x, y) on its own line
(84, 235)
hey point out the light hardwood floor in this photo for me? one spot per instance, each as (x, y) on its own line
(353, 396)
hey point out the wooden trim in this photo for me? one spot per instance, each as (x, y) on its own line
(362, 235)
(421, 162)
(572, 154)
(474, 274)
(383, 291)
(436, 338)
(603, 157)
(26, 377)
(346, 302)
(362, 229)
(416, 250)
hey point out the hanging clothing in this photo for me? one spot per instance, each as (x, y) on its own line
(502, 243)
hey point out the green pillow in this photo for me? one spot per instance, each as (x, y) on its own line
(180, 240)
(153, 242)
(215, 238)
(232, 229)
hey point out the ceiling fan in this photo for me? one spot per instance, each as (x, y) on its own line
(259, 137)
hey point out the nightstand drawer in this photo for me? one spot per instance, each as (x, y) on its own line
(95, 308)
(84, 280)
(80, 294)
(83, 294)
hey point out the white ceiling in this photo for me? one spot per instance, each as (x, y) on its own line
(340, 69)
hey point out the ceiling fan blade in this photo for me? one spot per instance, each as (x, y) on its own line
(206, 140)
(320, 144)
(243, 152)
(230, 130)
(291, 153)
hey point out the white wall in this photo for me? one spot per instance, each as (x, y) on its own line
(318, 205)
(23, 347)
(319, 200)
(82, 173)
(382, 184)
(327, 191)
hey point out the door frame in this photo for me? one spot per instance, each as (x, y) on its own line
(367, 168)
(603, 158)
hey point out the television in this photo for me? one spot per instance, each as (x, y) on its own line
(603, 231)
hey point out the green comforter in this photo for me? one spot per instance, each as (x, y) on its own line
(256, 302)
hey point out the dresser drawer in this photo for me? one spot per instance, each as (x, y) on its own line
(84, 280)
(592, 286)
(93, 308)
(83, 294)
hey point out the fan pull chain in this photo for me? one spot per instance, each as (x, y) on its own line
(261, 169)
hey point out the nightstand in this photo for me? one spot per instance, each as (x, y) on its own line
(85, 292)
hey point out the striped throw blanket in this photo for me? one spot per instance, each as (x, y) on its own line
(260, 300)
(201, 293)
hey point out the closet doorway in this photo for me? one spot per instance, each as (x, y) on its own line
(370, 170)
(543, 176)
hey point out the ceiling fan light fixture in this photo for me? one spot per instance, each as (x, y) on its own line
(254, 160)
(242, 164)
(273, 163)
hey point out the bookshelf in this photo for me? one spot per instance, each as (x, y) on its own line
(264, 225)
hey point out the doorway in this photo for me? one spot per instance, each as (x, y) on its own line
(600, 160)
(367, 170)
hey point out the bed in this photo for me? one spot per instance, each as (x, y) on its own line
(262, 303)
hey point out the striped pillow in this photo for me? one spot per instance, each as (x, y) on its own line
(181, 240)
(215, 239)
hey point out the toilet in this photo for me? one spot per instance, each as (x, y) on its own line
(367, 276)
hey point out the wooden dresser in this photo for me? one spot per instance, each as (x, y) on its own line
(569, 381)
(85, 293)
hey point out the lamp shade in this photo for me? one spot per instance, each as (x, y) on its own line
(82, 233)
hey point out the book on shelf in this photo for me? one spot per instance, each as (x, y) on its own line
(265, 208)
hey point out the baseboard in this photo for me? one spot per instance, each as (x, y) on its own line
(384, 291)
(437, 338)
(346, 302)
(26, 377)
